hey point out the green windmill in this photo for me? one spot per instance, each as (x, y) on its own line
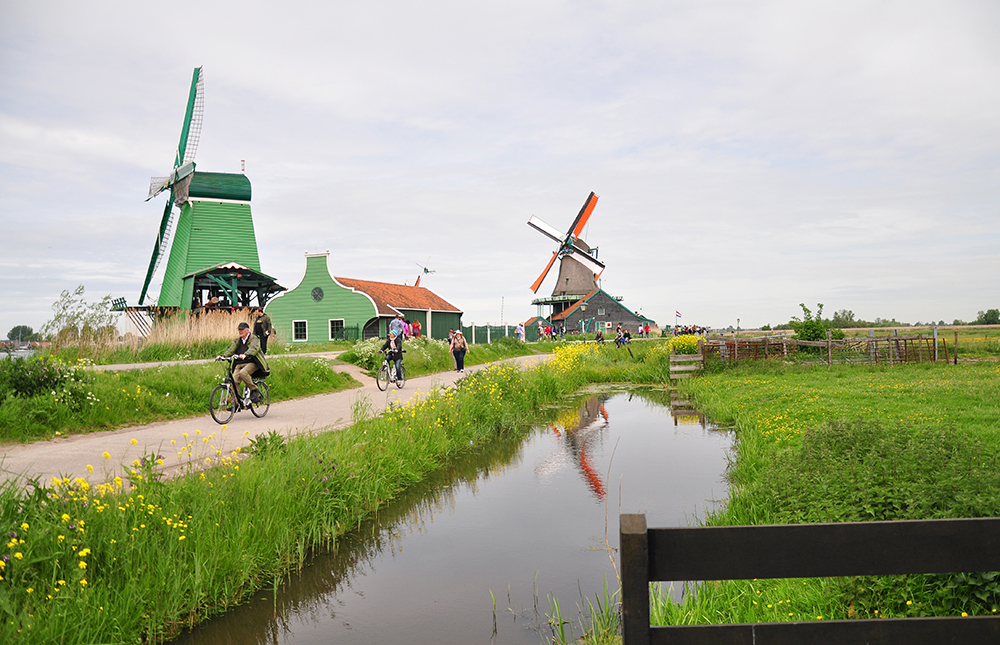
(213, 260)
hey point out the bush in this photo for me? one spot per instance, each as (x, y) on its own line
(38, 376)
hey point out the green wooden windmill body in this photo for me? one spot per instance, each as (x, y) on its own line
(214, 227)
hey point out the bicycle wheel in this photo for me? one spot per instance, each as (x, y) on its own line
(260, 409)
(222, 403)
(401, 381)
(382, 377)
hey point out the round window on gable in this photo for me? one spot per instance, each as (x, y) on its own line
(317, 294)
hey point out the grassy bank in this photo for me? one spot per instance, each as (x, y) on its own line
(852, 444)
(87, 563)
(43, 396)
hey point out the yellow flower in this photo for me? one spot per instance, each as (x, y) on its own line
(134, 442)
(24, 526)
(106, 455)
(61, 538)
(30, 590)
(82, 565)
(90, 468)
(181, 538)
(19, 555)
(84, 553)
(83, 583)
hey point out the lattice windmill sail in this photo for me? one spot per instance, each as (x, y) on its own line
(180, 178)
(578, 269)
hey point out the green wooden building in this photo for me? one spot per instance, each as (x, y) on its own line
(323, 308)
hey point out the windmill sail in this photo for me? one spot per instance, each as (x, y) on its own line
(183, 167)
(570, 245)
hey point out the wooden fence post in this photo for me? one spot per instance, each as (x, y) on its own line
(829, 349)
(634, 548)
(935, 345)
(955, 349)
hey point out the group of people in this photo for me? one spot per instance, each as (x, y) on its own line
(405, 328)
(551, 333)
(688, 329)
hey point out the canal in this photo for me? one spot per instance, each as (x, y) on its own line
(477, 554)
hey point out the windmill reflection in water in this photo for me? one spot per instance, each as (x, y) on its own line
(580, 432)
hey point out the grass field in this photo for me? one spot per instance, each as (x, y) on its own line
(852, 444)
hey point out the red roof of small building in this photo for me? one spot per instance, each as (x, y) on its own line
(562, 315)
(390, 298)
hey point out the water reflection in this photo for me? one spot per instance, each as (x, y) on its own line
(581, 432)
(525, 520)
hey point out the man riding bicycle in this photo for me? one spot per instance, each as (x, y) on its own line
(393, 346)
(249, 359)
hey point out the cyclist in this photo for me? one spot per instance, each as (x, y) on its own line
(393, 346)
(249, 359)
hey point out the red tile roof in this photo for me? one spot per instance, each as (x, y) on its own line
(389, 298)
(562, 315)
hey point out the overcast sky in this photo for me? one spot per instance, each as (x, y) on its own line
(748, 156)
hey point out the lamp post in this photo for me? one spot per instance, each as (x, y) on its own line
(583, 321)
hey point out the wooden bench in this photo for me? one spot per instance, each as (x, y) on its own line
(805, 551)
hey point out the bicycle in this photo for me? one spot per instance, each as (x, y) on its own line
(384, 374)
(224, 401)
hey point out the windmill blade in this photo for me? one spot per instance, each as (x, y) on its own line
(537, 283)
(587, 260)
(158, 248)
(194, 114)
(581, 219)
(546, 230)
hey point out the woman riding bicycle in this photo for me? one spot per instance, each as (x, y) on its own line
(393, 346)
(249, 359)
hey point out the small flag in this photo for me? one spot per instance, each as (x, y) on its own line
(678, 313)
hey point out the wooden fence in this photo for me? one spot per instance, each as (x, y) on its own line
(685, 365)
(805, 551)
(865, 349)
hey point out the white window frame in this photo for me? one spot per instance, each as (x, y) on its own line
(300, 340)
(330, 322)
(600, 311)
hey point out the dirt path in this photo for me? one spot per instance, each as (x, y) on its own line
(83, 455)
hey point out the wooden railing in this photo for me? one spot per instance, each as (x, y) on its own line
(685, 365)
(863, 349)
(805, 551)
